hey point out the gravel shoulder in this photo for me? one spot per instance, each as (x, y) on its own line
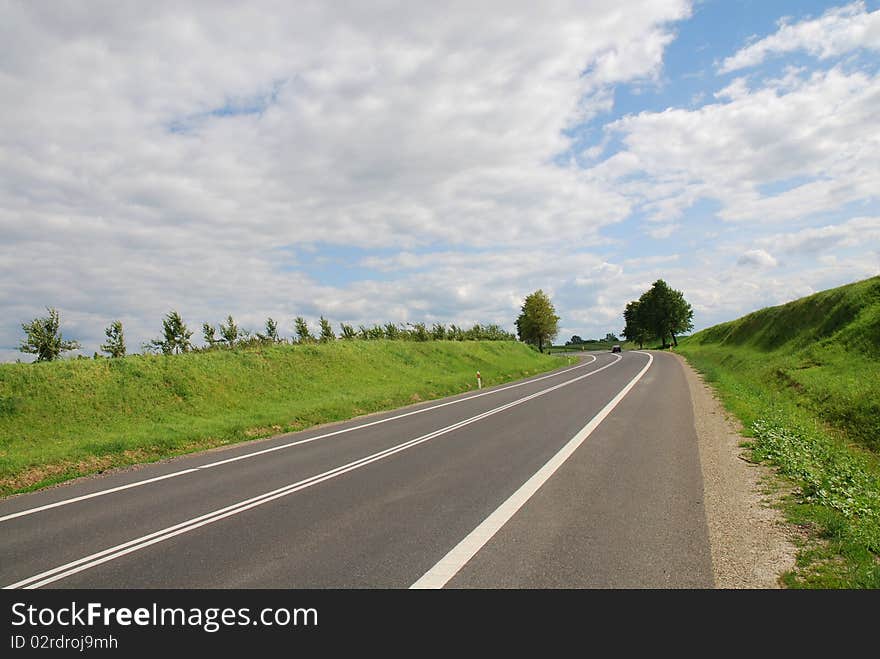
(750, 541)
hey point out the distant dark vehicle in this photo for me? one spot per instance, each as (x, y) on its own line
(615, 348)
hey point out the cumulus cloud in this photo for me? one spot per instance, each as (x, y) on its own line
(779, 151)
(181, 156)
(839, 30)
(854, 232)
(374, 162)
(757, 257)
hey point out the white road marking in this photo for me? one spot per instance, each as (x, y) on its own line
(210, 465)
(82, 564)
(448, 566)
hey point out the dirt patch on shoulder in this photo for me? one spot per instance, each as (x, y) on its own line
(750, 540)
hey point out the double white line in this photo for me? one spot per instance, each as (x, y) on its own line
(281, 447)
(87, 562)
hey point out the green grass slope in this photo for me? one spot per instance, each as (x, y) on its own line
(63, 419)
(804, 378)
(824, 348)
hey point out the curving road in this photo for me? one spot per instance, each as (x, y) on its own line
(587, 477)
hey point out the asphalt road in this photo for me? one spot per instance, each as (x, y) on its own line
(588, 477)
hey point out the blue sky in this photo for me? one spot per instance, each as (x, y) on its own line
(323, 159)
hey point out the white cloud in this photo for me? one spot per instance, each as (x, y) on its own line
(757, 257)
(735, 90)
(663, 231)
(381, 162)
(855, 232)
(180, 156)
(817, 132)
(839, 30)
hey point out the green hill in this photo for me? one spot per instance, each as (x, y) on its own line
(804, 378)
(824, 348)
(67, 418)
(848, 315)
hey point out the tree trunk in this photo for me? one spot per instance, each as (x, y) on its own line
(674, 342)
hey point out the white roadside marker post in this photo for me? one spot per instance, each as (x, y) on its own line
(479, 381)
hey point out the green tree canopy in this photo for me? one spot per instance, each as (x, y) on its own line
(635, 329)
(327, 333)
(661, 312)
(175, 336)
(210, 334)
(229, 331)
(43, 337)
(302, 330)
(272, 330)
(115, 346)
(538, 323)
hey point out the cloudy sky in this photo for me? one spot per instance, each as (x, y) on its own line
(430, 161)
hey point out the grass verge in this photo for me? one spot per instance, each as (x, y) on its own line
(836, 501)
(61, 420)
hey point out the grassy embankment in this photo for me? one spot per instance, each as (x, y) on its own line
(804, 378)
(64, 419)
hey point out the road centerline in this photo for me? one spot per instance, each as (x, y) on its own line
(218, 463)
(111, 553)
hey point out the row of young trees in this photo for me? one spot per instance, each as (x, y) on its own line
(660, 313)
(43, 336)
(176, 336)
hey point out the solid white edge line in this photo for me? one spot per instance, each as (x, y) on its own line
(92, 495)
(111, 553)
(31, 511)
(448, 566)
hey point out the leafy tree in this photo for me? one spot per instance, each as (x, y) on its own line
(44, 338)
(302, 330)
(575, 340)
(611, 338)
(438, 332)
(538, 323)
(635, 329)
(495, 332)
(327, 334)
(210, 334)
(666, 312)
(475, 333)
(115, 346)
(348, 332)
(229, 331)
(682, 316)
(490, 332)
(419, 332)
(175, 336)
(392, 331)
(661, 312)
(272, 330)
